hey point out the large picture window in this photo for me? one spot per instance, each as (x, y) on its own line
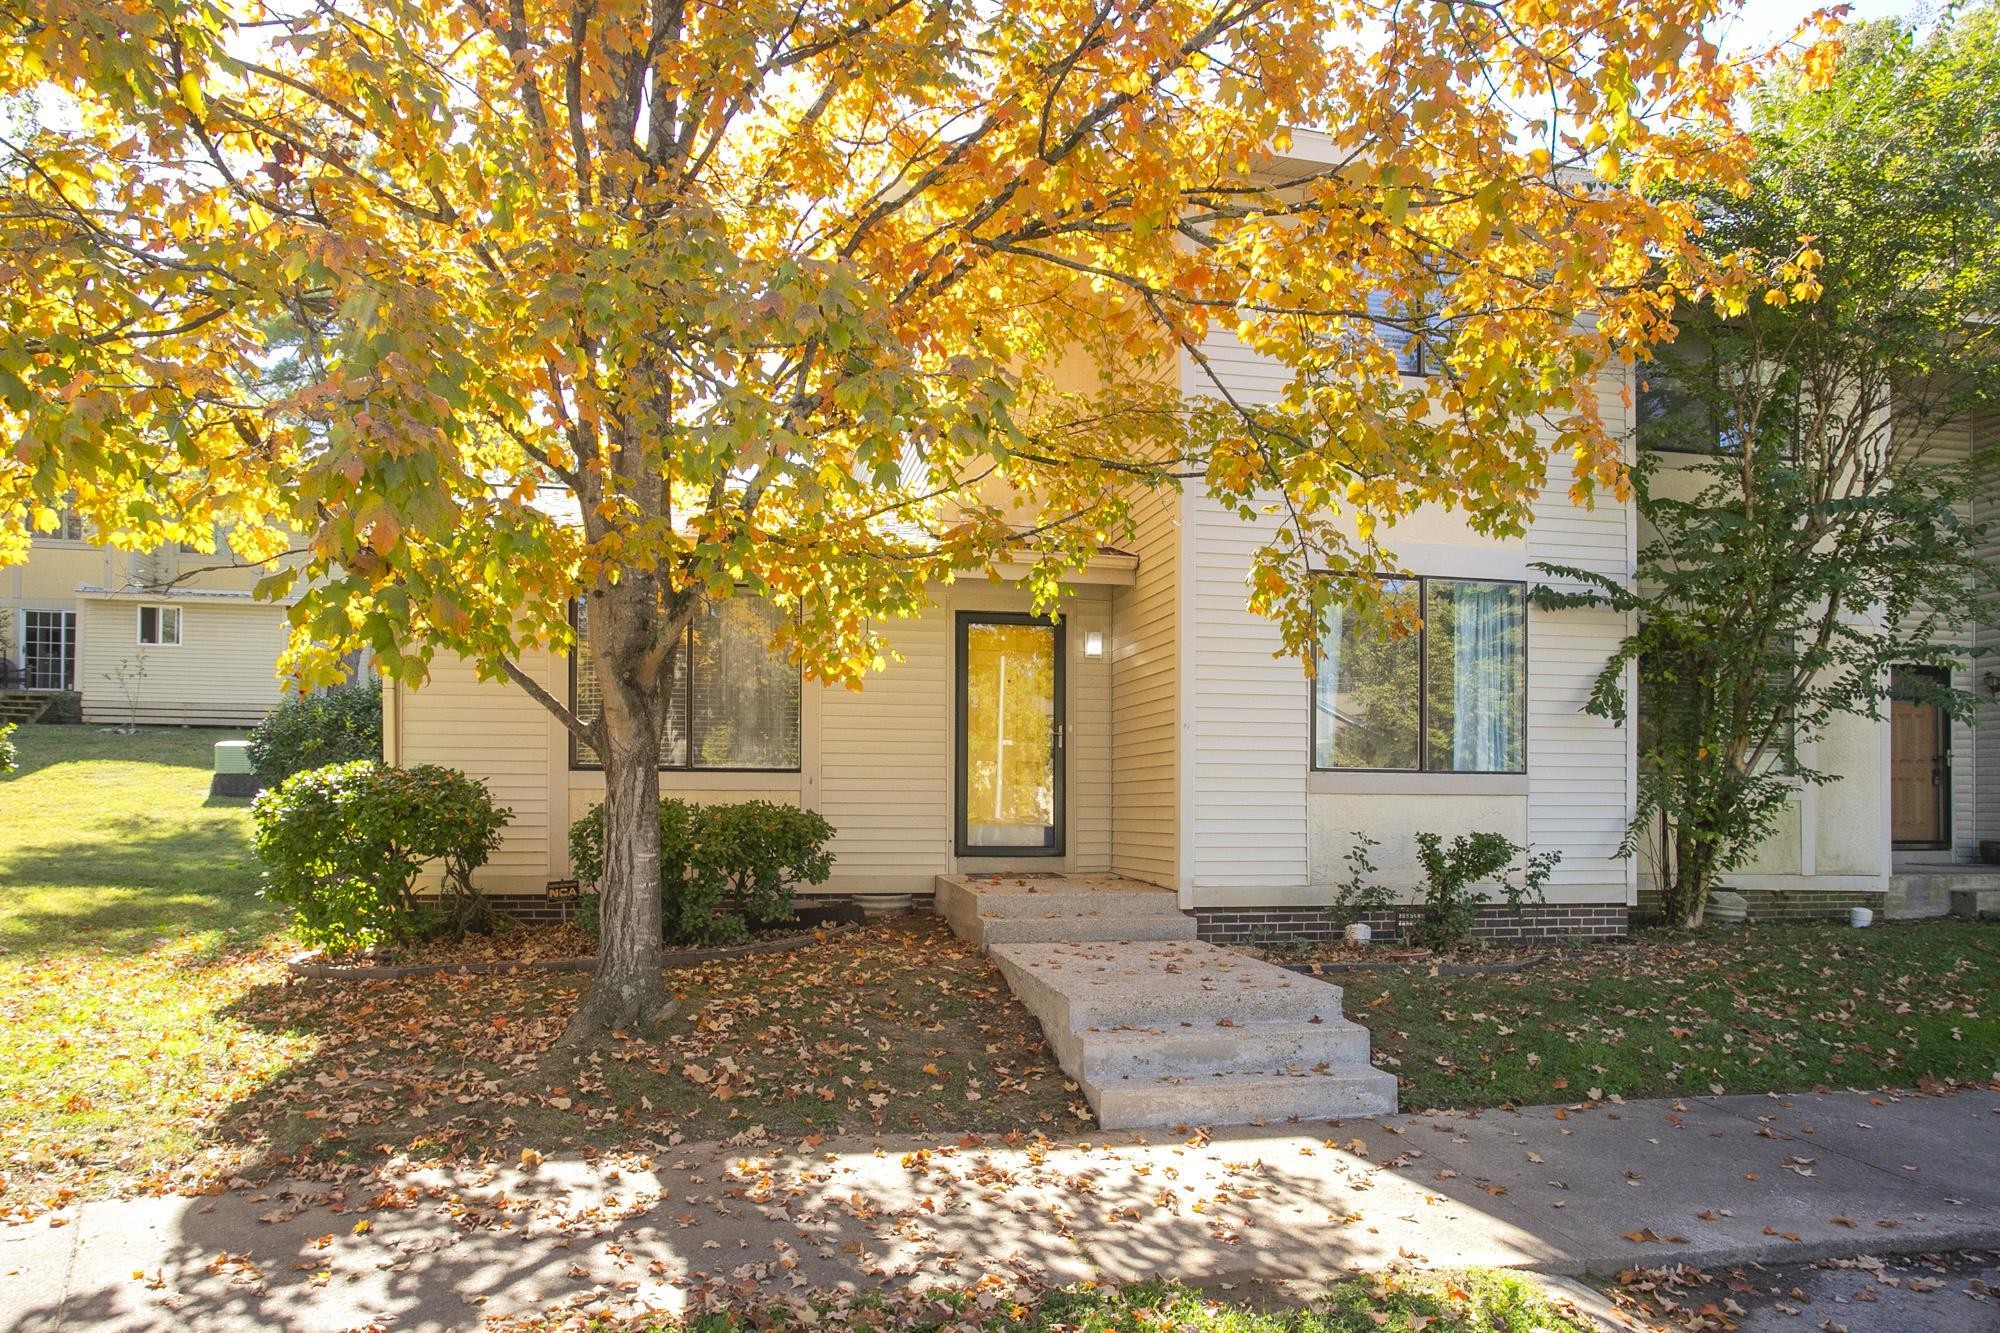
(733, 700)
(1451, 698)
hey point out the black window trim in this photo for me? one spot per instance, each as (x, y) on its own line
(578, 764)
(1423, 582)
(963, 622)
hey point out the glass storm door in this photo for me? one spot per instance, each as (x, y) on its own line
(1010, 736)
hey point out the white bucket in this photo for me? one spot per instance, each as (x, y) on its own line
(1360, 933)
(1860, 916)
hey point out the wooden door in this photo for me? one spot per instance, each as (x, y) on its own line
(1917, 773)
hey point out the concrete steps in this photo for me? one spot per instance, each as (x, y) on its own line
(1040, 909)
(1168, 1032)
(1945, 890)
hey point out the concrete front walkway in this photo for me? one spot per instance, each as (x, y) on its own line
(1565, 1190)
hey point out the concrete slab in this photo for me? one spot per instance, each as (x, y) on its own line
(428, 1249)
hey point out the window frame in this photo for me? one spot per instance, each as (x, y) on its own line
(66, 643)
(1423, 769)
(159, 610)
(579, 764)
(961, 634)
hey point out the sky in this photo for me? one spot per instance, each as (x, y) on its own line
(1763, 19)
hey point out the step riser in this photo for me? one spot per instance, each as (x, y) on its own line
(1232, 1051)
(1016, 930)
(1199, 1102)
(1031, 905)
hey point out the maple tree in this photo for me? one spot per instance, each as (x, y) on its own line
(643, 301)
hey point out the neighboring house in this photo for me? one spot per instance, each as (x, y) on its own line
(169, 636)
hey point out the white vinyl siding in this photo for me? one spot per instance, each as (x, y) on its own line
(1581, 773)
(1145, 699)
(1246, 761)
(1249, 813)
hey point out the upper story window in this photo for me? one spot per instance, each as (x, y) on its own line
(733, 700)
(70, 527)
(1408, 335)
(1451, 698)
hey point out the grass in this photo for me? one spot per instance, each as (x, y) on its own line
(1778, 1007)
(1475, 1301)
(150, 1038)
(130, 924)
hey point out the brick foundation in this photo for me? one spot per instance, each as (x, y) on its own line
(1768, 905)
(1550, 921)
(533, 909)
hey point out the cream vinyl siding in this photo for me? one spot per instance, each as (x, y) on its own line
(1145, 699)
(885, 764)
(491, 731)
(223, 673)
(1088, 719)
(1581, 768)
(1244, 767)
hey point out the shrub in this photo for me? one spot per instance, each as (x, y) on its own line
(9, 756)
(1361, 893)
(723, 868)
(1451, 874)
(342, 847)
(761, 848)
(313, 730)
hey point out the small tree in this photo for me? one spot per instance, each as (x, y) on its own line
(130, 678)
(1817, 534)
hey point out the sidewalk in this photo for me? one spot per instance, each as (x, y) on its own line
(1563, 1190)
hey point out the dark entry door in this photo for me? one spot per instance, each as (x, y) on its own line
(1919, 767)
(1010, 736)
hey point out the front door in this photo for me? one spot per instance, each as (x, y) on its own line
(1919, 768)
(1010, 735)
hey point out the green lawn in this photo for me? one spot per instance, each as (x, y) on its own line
(1767, 1008)
(129, 926)
(1479, 1301)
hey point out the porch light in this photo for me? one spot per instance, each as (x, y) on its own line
(1093, 643)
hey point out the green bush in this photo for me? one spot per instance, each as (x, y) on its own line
(9, 756)
(1361, 893)
(1451, 874)
(723, 868)
(313, 730)
(342, 847)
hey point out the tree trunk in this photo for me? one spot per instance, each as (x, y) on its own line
(632, 639)
(1685, 899)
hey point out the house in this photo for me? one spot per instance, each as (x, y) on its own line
(165, 637)
(1152, 731)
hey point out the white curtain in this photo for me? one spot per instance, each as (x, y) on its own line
(1485, 666)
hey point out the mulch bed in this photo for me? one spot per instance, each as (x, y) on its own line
(562, 948)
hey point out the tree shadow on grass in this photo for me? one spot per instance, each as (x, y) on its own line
(148, 880)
